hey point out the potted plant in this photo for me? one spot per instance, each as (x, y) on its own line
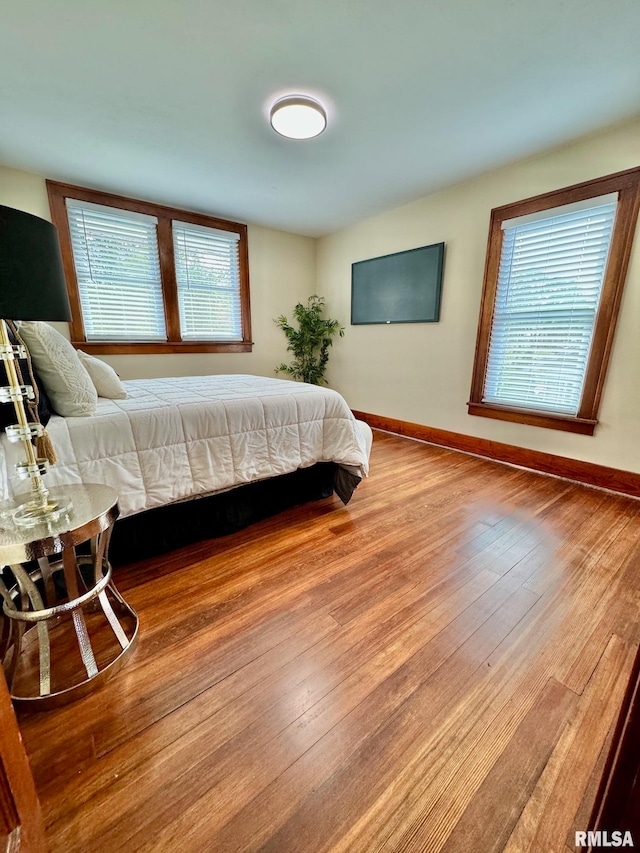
(310, 342)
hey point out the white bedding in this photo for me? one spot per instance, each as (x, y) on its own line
(178, 438)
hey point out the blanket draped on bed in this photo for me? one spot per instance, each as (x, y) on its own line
(183, 437)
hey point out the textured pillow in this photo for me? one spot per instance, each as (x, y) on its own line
(69, 386)
(7, 411)
(103, 376)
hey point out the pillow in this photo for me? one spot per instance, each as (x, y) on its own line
(103, 376)
(66, 381)
(7, 411)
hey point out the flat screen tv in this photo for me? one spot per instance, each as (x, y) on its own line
(400, 288)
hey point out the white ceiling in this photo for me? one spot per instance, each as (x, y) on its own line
(168, 99)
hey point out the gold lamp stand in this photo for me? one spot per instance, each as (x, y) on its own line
(39, 506)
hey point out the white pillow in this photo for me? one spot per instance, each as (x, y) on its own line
(103, 376)
(65, 380)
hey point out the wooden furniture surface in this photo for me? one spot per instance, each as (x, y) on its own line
(617, 803)
(21, 824)
(438, 666)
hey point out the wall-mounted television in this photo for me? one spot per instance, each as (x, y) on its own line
(401, 288)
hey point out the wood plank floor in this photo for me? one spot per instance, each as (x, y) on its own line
(436, 667)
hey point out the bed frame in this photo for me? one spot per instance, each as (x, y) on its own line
(166, 528)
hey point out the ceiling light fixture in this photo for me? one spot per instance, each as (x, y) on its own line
(298, 117)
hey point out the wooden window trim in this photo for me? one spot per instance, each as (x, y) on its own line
(59, 192)
(627, 185)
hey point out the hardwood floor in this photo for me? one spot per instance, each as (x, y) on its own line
(436, 667)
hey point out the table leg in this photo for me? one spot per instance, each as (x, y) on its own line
(70, 568)
(99, 546)
(47, 579)
(113, 620)
(29, 590)
(15, 630)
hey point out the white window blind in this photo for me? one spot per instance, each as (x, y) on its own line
(208, 279)
(549, 285)
(117, 267)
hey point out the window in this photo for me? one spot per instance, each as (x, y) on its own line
(554, 275)
(208, 282)
(147, 278)
(117, 270)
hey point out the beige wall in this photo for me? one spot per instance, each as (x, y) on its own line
(282, 271)
(422, 372)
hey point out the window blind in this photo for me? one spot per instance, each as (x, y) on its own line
(117, 267)
(208, 279)
(548, 291)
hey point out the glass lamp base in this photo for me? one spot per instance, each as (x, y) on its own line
(33, 512)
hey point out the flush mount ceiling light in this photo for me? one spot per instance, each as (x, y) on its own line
(298, 117)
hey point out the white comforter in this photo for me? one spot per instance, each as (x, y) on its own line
(176, 438)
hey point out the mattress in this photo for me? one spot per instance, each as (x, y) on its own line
(183, 437)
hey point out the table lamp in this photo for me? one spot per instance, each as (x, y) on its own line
(32, 287)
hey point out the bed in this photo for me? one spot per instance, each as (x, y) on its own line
(208, 440)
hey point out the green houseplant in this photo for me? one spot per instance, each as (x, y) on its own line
(310, 342)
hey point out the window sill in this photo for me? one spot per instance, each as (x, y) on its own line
(151, 348)
(566, 423)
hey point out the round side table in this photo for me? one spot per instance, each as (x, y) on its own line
(67, 628)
